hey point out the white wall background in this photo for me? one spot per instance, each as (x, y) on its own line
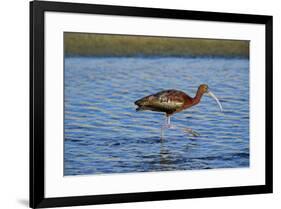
(14, 103)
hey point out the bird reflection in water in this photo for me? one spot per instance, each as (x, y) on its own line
(165, 157)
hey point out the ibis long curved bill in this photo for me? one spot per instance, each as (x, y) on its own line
(209, 93)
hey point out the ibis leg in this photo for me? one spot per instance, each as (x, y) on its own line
(168, 121)
(166, 125)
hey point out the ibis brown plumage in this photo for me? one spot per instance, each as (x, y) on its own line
(173, 101)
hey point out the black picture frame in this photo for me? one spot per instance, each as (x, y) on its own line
(37, 196)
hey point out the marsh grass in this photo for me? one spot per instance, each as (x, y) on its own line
(86, 44)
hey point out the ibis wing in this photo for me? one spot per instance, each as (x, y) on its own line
(169, 100)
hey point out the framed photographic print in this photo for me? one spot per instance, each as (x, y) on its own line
(135, 104)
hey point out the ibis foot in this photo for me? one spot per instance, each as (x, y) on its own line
(190, 131)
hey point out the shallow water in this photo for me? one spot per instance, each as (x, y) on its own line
(104, 133)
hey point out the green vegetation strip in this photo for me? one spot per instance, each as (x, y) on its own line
(86, 44)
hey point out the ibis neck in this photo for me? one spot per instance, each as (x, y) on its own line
(198, 97)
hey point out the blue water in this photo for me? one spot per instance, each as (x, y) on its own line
(104, 133)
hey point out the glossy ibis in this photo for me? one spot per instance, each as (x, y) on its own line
(173, 101)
